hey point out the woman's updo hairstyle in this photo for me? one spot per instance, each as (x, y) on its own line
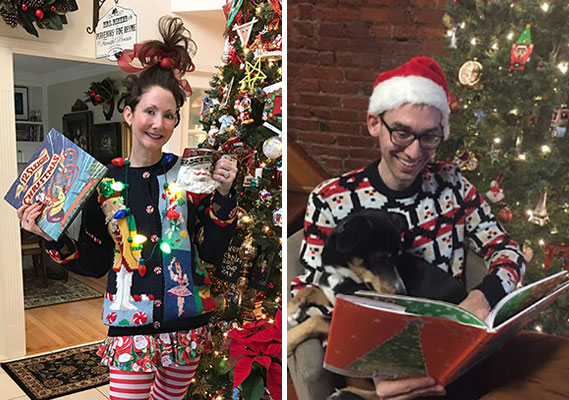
(165, 61)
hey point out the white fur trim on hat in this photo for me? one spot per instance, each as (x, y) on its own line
(398, 91)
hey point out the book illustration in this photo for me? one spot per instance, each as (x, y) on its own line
(402, 353)
(393, 337)
(62, 176)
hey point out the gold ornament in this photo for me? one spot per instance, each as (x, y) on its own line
(539, 214)
(251, 79)
(247, 252)
(469, 74)
(527, 251)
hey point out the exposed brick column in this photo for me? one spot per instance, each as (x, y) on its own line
(336, 48)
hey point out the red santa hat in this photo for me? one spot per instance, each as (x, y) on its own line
(419, 81)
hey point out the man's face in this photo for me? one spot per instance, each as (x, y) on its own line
(399, 166)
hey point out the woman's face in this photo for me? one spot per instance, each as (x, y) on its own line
(153, 119)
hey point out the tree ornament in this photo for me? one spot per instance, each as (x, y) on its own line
(254, 73)
(244, 32)
(559, 119)
(273, 103)
(273, 147)
(10, 17)
(265, 196)
(521, 51)
(470, 73)
(24, 7)
(207, 109)
(496, 194)
(466, 160)
(211, 134)
(52, 9)
(539, 214)
(505, 215)
(278, 216)
(227, 126)
(247, 252)
(166, 63)
(243, 106)
(454, 103)
(39, 13)
(527, 251)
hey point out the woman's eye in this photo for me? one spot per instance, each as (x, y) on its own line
(170, 116)
(150, 111)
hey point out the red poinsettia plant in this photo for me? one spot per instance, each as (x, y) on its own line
(256, 350)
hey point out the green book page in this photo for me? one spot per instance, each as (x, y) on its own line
(522, 298)
(426, 307)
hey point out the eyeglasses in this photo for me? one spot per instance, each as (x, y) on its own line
(404, 138)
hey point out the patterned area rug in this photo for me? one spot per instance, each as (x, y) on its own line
(58, 374)
(57, 292)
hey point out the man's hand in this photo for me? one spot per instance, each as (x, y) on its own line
(477, 304)
(409, 388)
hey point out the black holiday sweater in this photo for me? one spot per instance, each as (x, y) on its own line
(444, 212)
(150, 291)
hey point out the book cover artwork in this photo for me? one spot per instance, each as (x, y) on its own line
(395, 336)
(61, 175)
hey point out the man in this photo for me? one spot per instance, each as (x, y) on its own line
(409, 115)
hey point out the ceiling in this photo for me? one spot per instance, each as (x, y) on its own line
(51, 69)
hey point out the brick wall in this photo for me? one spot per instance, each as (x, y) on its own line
(336, 48)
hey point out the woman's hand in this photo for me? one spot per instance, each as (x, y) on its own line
(408, 388)
(477, 304)
(225, 171)
(27, 215)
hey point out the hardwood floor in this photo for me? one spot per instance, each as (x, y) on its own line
(64, 325)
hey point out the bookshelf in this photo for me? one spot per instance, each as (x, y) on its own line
(30, 132)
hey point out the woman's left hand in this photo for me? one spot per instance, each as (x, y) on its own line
(224, 172)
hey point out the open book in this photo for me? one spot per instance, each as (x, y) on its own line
(60, 174)
(393, 336)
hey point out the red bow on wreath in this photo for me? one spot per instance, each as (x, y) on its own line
(259, 342)
(154, 56)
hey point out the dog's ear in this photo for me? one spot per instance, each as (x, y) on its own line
(399, 222)
(351, 232)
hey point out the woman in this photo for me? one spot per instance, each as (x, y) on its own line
(154, 342)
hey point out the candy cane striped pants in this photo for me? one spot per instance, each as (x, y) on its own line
(168, 383)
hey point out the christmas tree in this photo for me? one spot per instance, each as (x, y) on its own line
(242, 116)
(507, 67)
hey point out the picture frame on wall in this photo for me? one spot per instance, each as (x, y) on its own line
(262, 269)
(107, 142)
(21, 103)
(78, 127)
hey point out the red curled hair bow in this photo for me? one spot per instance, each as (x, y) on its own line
(153, 56)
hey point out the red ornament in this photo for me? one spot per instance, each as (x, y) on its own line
(93, 93)
(505, 215)
(39, 13)
(119, 161)
(142, 270)
(171, 214)
(454, 103)
(98, 99)
(166, 62)
(24, 6)
(52, 8)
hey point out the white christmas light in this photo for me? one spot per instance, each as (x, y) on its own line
(497, 140)
(541, 242)
(545, 149)
(510, 35)
(495, 46)
(462, 25)
(563, 66)
(529, 212)
(473, 41)
(539, 328)
(545, 7)
(449, 33)
(514, 111)
(174, 188)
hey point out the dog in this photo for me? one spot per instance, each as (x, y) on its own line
(367, 246)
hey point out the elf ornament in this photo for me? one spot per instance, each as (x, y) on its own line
(495, 194)
(470, 73)
(521, 51)
(559, 119)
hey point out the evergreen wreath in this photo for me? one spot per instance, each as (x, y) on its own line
(46, 14)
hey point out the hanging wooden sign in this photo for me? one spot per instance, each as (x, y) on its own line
(115, 32)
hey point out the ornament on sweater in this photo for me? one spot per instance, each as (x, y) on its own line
(243, 106)
(181, 291)
(470, 73)
(559, 120)
(496, 194)
(272, 110)
(521, 51)
(244, 32)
